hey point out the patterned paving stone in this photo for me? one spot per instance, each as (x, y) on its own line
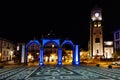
(61, 73)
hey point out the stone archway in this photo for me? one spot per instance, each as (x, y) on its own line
(75, 52)
(32, 56)
(67, 51)
(44, 43)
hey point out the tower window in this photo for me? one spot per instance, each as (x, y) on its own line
(97, 40)
(99, 24)
(95, 24)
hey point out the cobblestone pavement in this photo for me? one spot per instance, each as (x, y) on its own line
(81, 72)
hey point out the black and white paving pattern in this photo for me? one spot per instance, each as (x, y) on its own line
(81, 72)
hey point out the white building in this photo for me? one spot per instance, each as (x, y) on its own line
(108, 49)
(7, 49)
(96, 33)
(97, 46)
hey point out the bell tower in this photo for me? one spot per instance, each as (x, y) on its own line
(96, 33)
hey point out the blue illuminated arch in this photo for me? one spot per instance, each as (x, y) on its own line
(33, 42)
(28, 44)
(75, 48)
(68, 42)
(55, 41)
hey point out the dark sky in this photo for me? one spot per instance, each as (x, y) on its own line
(22, 21)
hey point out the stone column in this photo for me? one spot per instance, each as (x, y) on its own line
(41, 63)
(76, 55)
(59, 57)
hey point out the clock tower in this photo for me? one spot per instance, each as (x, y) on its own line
(96, 33)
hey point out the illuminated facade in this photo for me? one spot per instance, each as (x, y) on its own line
(96, 33)
(97, 46)
(108, 49)
(51, 51)
(7, 49)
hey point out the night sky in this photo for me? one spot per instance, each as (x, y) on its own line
(24, 21)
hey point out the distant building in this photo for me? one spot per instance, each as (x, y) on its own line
(116, 40)
(96, 33)
(7, 49)
(108, 49)
(96, 45)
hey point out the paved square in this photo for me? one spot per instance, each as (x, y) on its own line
(81, 72)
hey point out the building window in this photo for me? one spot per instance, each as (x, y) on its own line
(99, 24)
(117, 35)
(95, 24)
(97, 40)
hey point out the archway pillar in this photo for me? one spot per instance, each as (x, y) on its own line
(76, 56)
(41, 63)
(59, 57)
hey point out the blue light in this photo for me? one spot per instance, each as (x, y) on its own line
(41, 57)
(76, 57)
(59, 56)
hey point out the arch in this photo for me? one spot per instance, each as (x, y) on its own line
(27, 46)
(33, 42)
(68, 42)
(57, 43)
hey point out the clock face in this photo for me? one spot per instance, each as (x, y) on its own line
(97, 14)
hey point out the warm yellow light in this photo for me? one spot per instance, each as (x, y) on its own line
(46, 58)
(32, 58)
(93, 18)
(37, 53)
(53, 45)
(29, 56)
(0, 54)
(99, 24)
(95, 25)
(50, 59)
(11, 52)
